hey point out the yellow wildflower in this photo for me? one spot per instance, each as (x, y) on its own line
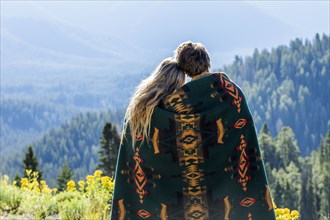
(294, 213)
(98, 173)
(55, 190)
(43, 182)
(279, 211)
(105, 180)
(28, 172)
(287, 216)
(286, 211)
(46, 190)
(81, 184)
(89, 179)
(24, 181)
(71, 186)
(35, 174)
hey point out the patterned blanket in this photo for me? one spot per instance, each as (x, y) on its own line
(202, 160)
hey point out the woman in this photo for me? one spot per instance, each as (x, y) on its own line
(160, 84)
(190, 151)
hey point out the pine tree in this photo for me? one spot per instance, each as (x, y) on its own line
(264, 129)
(325, 176)
(64, 176)
(30, 162)
(109, 142)
(308, 201)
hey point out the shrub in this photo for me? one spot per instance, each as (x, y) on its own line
(10, 196)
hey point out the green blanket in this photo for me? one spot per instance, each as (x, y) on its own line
(202, 160)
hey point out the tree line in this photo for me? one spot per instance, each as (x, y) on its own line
(289, 86)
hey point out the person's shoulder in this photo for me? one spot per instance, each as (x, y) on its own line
(220, 74)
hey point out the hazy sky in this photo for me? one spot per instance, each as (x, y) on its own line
(309, 16)
(297, 19)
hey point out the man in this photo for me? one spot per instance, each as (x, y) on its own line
(194, 60)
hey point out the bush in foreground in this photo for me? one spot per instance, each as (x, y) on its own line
(86, 199)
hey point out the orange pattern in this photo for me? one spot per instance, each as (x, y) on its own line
(139, 176)
(231, 89)
(176, 102)
(155, 141)
(143, 213)
(240, 123)
(247, 201)
(221, 131)
(243, 164)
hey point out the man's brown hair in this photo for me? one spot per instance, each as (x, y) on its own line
(192, 58)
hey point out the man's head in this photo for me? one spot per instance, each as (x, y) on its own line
(192, 58)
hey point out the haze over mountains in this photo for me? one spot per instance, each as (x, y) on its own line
(67, 57)
(135, 36)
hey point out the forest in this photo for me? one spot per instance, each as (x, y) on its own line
(289, 86)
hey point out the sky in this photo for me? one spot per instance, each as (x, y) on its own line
(310, 16)
(123, 19)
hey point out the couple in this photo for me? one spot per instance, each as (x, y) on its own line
(190, 151)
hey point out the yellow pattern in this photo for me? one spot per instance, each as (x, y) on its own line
(267, 197)
(175, 102)
(163, 212)
(227, 208)
(221, 131)
(189, 142)
(122, 210)
(155, 141)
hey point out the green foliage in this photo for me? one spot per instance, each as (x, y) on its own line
(76, 141)
(288, 85)
(10, 196)
(109, 142)
(23, 120)
(35, 200)
(297, 182)
(74, 209)
(65, 175)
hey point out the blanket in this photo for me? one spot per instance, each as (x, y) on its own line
(202, 160)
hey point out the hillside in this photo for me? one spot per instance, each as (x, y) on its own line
(75, 141)
(289, 86)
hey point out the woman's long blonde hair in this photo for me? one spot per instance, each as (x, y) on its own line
(161, 83)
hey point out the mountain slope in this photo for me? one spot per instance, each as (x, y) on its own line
(289, 86)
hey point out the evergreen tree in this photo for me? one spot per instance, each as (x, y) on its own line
(287, 148)
(325, 177)
(30, 162)
(308, 203)
(64, 176)
(109, 142)
(264, 129)
(268, 149)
